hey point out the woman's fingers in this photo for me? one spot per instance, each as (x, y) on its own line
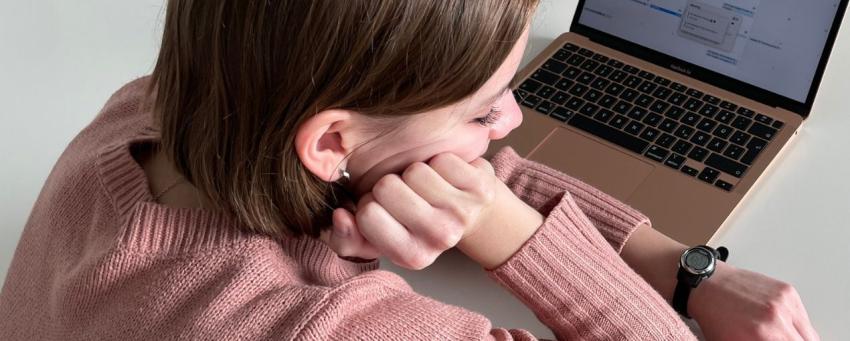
(801, 318)
(381, 229)
(429, 185)
(345, 238)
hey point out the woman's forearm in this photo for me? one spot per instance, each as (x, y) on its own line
(655, 257)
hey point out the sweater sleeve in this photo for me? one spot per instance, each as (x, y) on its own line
(566, 273)
(542, 188)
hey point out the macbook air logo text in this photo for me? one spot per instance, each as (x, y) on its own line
(680, 69)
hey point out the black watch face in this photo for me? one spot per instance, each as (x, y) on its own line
(698, 259)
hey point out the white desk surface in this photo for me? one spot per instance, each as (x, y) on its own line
(60, 61)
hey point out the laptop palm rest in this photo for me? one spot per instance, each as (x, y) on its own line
(610, 170)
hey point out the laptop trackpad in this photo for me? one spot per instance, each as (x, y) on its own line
(610, 170)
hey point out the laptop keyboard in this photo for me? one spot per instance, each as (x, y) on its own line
(650, 115)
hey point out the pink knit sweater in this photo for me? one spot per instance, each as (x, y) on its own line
(99, 260)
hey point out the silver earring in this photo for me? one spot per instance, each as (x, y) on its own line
(344, 175)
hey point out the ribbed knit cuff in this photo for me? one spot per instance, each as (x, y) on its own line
(541, 187)
(580, 288)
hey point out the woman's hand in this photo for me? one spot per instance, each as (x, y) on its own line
(736, 304)
(413, 218)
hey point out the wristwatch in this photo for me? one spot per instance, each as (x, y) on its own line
(696, 265)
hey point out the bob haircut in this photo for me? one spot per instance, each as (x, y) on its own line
(234, 80)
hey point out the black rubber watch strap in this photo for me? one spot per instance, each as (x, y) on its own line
(680, 295)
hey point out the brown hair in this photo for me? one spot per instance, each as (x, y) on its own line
(235, 79)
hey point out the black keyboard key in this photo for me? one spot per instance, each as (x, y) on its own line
(728, 106)
(603, 71)
(754, 148)
(723, 131)
(764, 119)
(600, 84)
(693, 104)
(698, 154)
(574, 103)
(622, 107)
(618, 76)
(634, 127)
(615, 63)
(585, 52)
(630, 69)
(592, 96)
(689, 171)
(554, 66)
(708, 175)
(708, 110)
(637, 113)
(657, 153)
(579, 90)
(662, 93)
(682, 147)
(711, 99)
(530, 85)
(560, 98)
(650, 134)
(762, 131)
(614, 89)
(610, 134)
(619, 121)
(585, 78)
(531, 101)
(725, 116)
(666, 140)
(604, 115)
(644, 101)
(572, 72)
(571, 47)
(778, 124)
(546, 92)
(678, 98)
(659, 106)
(562, 55)
(589, 109)
(561, 114)
(678, 87)
(741, 123)
(668, 125)
(564, 84)
(647, 87)
(734, 152)
(746, 112)
(675, 161)
(632, 82)
(607, 101)
(717, 145)
(700, 138)
(690, 119)
(652, 119)
(589, 65)
(600, 58)
(662, 81)
(629, 95)
(575, 60)
(740, 138)
(545, 77)
(545, 107)
(646, 75)
(684, 132)
(723, 185)
(695, 93)
(519, 95)
(675, 112)
(726, 165)
(706, 125)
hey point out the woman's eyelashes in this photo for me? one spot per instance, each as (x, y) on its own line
(492, 117)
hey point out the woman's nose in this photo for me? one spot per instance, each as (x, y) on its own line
(511, 118)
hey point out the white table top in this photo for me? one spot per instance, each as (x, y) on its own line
(61, 60)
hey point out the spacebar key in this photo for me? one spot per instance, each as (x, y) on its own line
(607, 133)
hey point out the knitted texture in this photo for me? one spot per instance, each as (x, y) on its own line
(100, 260)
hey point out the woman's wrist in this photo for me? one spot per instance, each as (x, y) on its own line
(701, 297)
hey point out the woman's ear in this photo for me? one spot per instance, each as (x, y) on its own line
(323, 141)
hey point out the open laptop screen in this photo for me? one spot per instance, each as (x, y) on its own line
(775, 45)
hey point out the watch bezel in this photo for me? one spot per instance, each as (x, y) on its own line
(708, 269)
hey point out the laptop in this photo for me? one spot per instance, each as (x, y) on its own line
(675, 107)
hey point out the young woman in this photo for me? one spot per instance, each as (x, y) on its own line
(244, 190)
